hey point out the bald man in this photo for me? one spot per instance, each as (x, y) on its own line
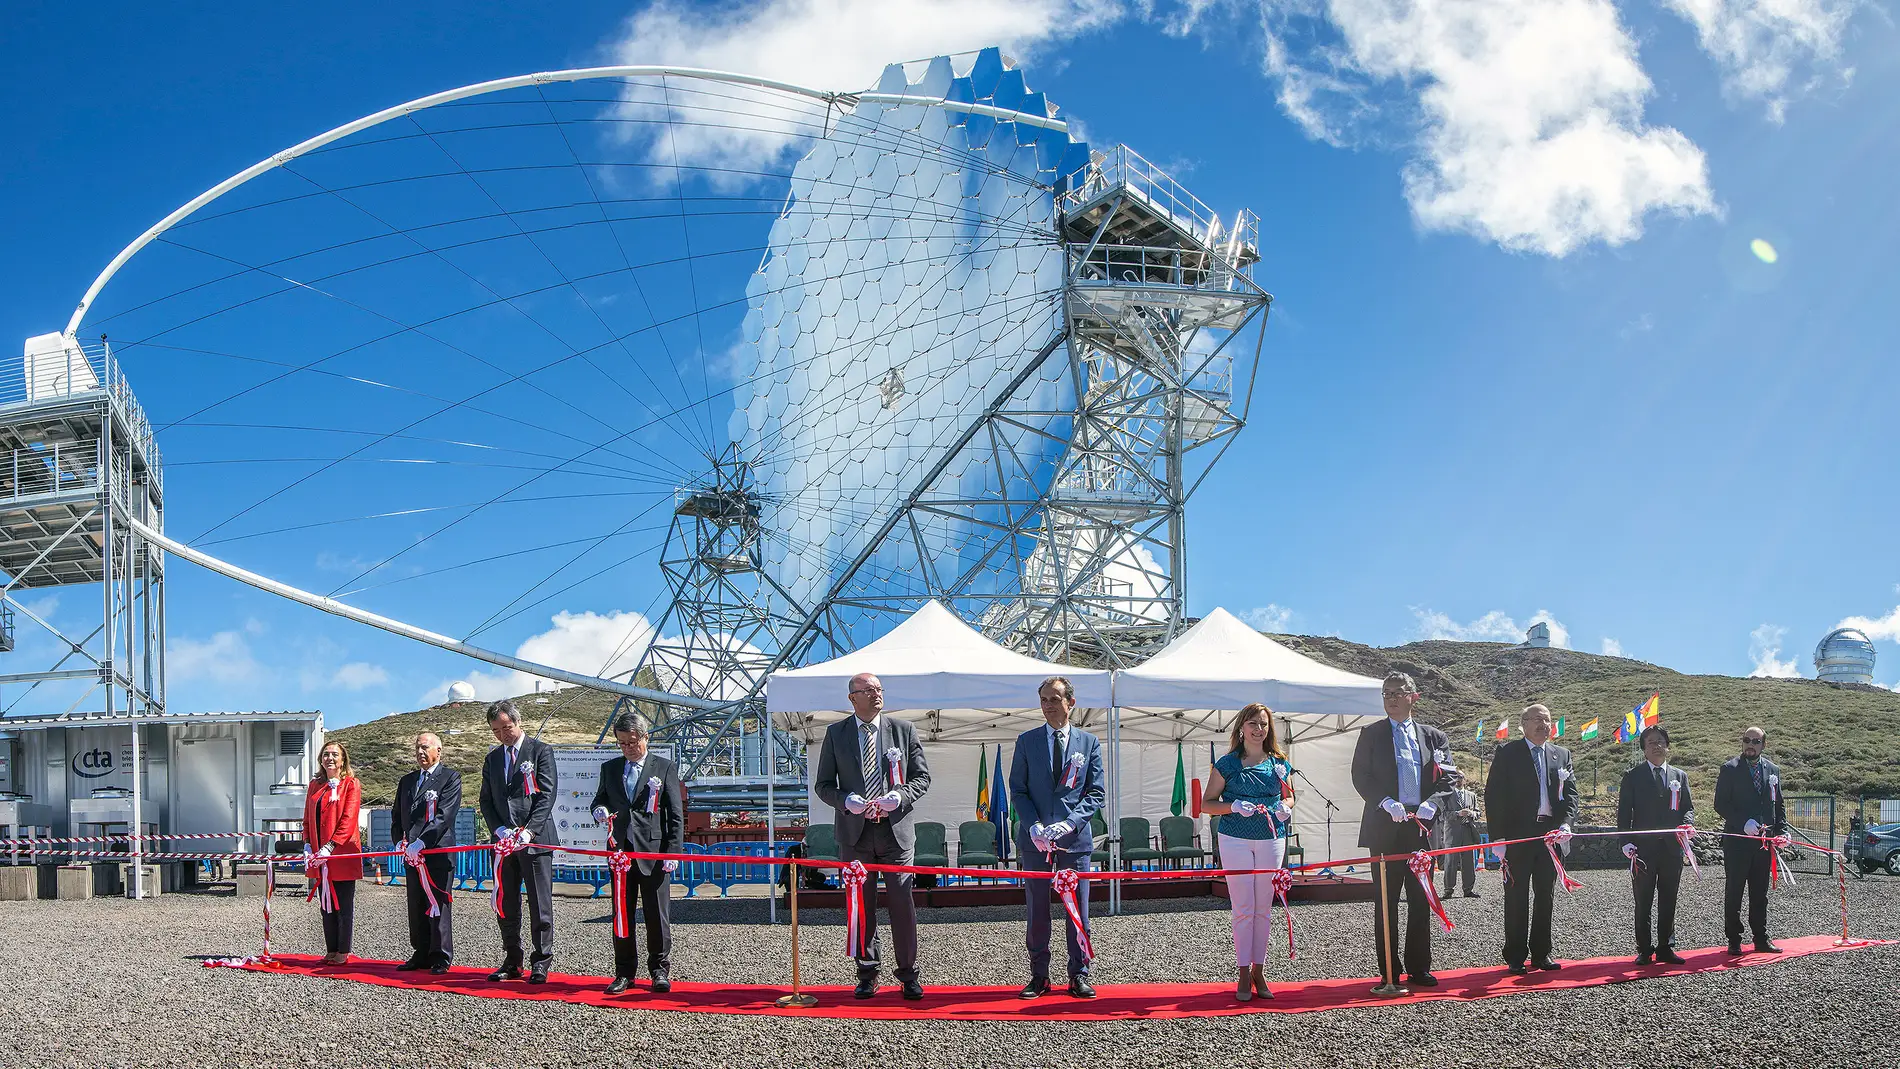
(423, 818)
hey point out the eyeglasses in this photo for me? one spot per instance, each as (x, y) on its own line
(1750, 740)
(868, 690)
(1401, 693)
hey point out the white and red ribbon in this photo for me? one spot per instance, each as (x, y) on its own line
(528, 785)
(1551, 841)
(1684, 833)
(1282, 888)
(1774, 787)
(894, 767)
(618, 863)
(1073, 774)
(1064, 883)
(321, 888)
(428, 815)
(1421, 866)
(852, 877)
(653, 794)
(1778, 870)
(504, 845)
(420, 869)
(1675, 794)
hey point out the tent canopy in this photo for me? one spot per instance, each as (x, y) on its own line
(1221, 664)
(939, 673)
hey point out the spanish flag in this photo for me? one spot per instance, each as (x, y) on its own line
(1645, 714)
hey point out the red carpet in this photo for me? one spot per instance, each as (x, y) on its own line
(1116, 1001)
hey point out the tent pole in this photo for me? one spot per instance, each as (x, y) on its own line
(1114, 797)
(771, 825)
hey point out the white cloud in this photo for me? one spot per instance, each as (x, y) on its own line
(1530, 112)
(1271, 617)
(360, 675)
(1764, 649)
(1877, 628)
(1761, 44)
(225, 657)
(1612, 648)
(819, 44)
(587, 642)
(1493, 626)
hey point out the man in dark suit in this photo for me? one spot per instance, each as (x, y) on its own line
(1748, 798)
(1055, 786)
(423, 818)
(518, 785)
(1655, 795)
(1531, 792)
(871, 772)
(1397, 765)
(641, 803)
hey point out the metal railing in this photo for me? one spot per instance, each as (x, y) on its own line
(1144, 265)
(1125, 168)
(79, 372)
(50, 468)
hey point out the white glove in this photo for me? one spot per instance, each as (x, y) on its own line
(524, 836)
(1039, 837)
(669, 864)
(413, 851)
(1563, 834)
(856, 804)
(1282, 812)
(1058, 831)
(1427, 810)
(1393, 809)
(889, 801)
(327, 847)
(1629, 851)
(1753, 827)
(504, 833)
(600, 814)
(1244, 808)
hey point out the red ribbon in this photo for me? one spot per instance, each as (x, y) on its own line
(420, 873)
(1064, 883)
(1421, 866)
(1282, 887)
(527, 781)
(852, 876)
(1074, 774)
(1551, 839)
(618, 863)
(505, 845)
(429, 815)
(1685, 832)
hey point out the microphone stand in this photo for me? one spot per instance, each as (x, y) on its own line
(1330, 808)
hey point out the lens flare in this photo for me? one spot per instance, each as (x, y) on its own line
(1763, 251)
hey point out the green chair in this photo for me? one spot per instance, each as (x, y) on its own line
(1098, 827)
(1178, 843)
(931, 851)
(976, 844)
(1137, 843)
(1295, 853)
(821, 842)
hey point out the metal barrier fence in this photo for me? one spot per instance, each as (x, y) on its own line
(1811, 823)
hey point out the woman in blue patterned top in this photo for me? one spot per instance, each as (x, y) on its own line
(1251, 788)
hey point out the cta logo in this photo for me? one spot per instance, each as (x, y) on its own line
(95, 763)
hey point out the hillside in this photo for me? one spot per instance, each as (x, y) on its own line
(1828, 738)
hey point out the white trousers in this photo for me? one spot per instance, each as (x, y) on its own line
(1251, 896)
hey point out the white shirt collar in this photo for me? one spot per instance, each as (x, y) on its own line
(876, 723)
(1664, 767)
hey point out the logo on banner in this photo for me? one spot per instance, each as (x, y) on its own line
(95, 763)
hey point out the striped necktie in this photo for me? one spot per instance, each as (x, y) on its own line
(873, 769)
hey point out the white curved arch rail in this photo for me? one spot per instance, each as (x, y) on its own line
(495, 86)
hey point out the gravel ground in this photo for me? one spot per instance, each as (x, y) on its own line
(111, 982)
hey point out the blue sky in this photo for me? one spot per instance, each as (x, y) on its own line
(1522, 361)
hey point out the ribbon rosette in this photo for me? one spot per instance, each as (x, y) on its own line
(1551, 841)
(852, 876)
(429, 798)
(1282, 888)
(1421, 865)
(504, 845)
(1774, 788)
(528, 786)
(894, 767)
(617, 864)
(653, 794)
(1073, 774)
(1064, 884)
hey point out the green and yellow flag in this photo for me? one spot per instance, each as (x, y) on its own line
(983, 785)
(1178, 804)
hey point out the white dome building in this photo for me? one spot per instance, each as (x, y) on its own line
(1844, 656)
(460, 691)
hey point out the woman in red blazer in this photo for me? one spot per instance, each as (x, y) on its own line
(330, 807)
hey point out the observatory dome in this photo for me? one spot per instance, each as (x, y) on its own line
(460, 691)
(1844, 656)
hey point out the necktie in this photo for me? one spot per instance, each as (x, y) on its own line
(1058, 755)
(1543, 782)
(629, 780)
(507, 762)
(1662, 784)
(1758, 782)
(873, 769)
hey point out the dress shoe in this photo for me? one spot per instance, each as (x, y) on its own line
(1547, 964)
(620, 984)
(538, 976)
(1421, 979)
(1243, 990)
(1668, 956)
(1763, 946)
(336, 957)
(1079, 987)
(506, 972)
(439, 970)
(412, 965)
(867, 986)
(913, 988)
(1734, 946)
(1516, 968)
(662, 981)
(1258, 978)
(1473, 894)
(1645, 959)
(1035, 988)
